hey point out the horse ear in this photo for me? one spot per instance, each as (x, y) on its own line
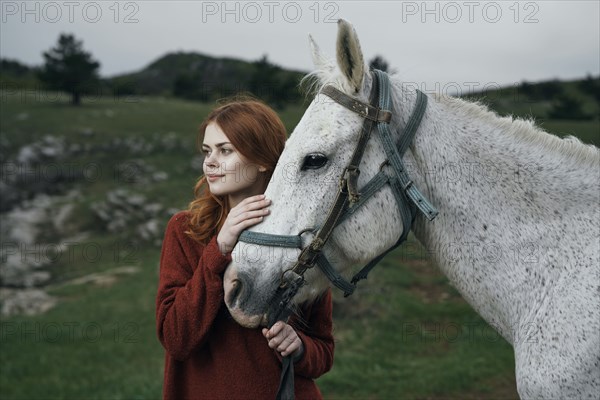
(321, 62)
(349, 55)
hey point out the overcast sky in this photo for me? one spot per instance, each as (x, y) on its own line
(436, 44)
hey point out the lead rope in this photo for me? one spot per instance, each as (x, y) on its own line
(348, 191)
(285, 391)
(286, 381)
(280, 312)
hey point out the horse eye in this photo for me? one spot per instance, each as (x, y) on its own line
(314, 161)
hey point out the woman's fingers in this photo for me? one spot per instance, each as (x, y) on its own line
(246, 224)
(253, 214)
(286, 342)
(282, 338)
(276, 328)
(292, 348)
(245, 207)
(247, 219)
(249, 212)
(251, 201)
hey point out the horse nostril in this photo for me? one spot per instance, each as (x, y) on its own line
(240, 290)
(236, 290)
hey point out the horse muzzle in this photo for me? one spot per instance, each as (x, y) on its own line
(251, 307)
(238, 289)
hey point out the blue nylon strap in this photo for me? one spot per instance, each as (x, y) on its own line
(401, 185)
(406, 213)
(334, 277)
(267, 239)
(394, 154)
(372, 187)
(364, 272)
(413, 123)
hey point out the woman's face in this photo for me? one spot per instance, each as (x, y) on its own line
(227, 172)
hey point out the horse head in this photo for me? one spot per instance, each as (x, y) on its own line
(304, 187)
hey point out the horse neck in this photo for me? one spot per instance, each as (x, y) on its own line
(498, 201)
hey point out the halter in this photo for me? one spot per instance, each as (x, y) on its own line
(349, 199)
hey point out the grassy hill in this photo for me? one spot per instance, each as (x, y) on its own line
(406, 333)
(201, 77)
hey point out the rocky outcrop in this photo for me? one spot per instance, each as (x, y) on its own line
(27, 253)
(46, 166)
(132, 216)
(24, 252)
(26, 301)
(41, 187)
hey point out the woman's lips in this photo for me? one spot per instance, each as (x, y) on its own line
(212, 178)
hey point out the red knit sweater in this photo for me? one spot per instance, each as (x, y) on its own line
(210, 356)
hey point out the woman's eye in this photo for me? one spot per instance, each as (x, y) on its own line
(226, 151)
(205, 152)
(314, 161)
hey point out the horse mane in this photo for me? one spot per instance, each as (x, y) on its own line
(525, 131)
(522, 130)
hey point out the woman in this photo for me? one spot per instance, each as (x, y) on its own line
(208, 355)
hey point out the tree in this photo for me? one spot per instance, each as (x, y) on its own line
(263, 82)
(69, 68)
(550, 89)
(527, 89)
(189, 86)
(567, 107)
(591, 86)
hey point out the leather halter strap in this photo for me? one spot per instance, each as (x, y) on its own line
(366, 111)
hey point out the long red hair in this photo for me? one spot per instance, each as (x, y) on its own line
(257, 132)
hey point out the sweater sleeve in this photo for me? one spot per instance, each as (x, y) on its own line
(188, 298)
(316, 333)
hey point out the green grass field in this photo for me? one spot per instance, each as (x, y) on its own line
(405, 334)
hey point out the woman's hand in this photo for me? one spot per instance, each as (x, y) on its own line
(248, 212)
(284, 339)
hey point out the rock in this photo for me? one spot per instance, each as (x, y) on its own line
(50, 148)
(27, 155)
(22, 252)
(28, 302)
(87, 132)
(159, 176)
(61, 216)
(197, 162)
(139, 172)
(170, 141)
(9, 196)
(137, 200)
(131, 215)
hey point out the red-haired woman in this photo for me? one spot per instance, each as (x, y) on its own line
(208, 355)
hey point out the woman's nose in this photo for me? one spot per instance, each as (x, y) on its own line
(210, 160)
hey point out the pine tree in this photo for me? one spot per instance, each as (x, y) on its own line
(69, 68)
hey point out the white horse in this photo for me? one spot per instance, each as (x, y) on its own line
(517, 232)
